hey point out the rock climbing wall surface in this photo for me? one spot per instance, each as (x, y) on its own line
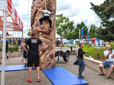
(47, 55)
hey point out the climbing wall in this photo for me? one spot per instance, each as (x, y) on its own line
(47, 55)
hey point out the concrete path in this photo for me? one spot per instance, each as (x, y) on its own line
(19, 77)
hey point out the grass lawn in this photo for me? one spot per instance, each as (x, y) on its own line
(73, 45)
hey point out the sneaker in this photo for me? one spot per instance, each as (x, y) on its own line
(29, 80)
(101, 74)
(107, 77)
(39, 79)
(49, 29)
(25, 65)
(7, 57)
(80, 76)
(41, 26)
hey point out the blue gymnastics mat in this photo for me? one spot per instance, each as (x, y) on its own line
(13, 68)
(61, 76)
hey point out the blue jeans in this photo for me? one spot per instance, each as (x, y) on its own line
(81, 66)
(46, 18)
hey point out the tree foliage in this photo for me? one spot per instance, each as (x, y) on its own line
(66, 29)
(93, 30)
(106, 13)
(63, 26)
(29, 34)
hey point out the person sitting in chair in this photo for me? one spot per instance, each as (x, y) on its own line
(45, 17)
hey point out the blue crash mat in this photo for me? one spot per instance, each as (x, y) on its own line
(13, 68)
(61, 76)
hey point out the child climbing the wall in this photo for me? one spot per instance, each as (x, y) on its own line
(45, 17)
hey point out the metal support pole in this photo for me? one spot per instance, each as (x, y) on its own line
(58, 61)
(3, 49)
(79, 35)
(22, 51)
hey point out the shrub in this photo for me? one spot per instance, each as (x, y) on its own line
(112, 45)
(13, 49)
(96, 53)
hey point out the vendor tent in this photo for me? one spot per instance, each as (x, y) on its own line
(18, 36)
(13, 22)
(9, 21)
(93, 39)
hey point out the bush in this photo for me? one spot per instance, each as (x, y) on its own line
(112, 45)
(13, 49)
(96, 53)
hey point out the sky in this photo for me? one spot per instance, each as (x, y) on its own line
(76, 10)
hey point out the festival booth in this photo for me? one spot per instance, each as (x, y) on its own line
(9, 21)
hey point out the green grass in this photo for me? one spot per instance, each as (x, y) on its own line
(73, 45)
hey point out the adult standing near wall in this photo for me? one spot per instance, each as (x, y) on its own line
(33, 55)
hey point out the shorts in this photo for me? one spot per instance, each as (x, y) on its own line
(25, 55)
(6, 51)
(107, 64)
(33, 59)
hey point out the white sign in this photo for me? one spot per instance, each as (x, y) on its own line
(3, 4)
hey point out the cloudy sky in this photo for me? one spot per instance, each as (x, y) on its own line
(76, 10)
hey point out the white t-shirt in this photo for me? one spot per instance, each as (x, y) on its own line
(46, 12)
(109, 58)
(113, 55)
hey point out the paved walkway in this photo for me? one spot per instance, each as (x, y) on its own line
(19, 77)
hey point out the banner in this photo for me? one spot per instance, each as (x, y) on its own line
(88, 34)
(82, 33)
(3, 5)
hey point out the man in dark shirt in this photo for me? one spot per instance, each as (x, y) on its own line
(33, 55)
(80, 60)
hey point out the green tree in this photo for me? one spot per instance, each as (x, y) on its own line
(93, 30)
(28, 33)
(71, 35)
(79, 27)
(106, 13)
(63, 26)
(7, 34)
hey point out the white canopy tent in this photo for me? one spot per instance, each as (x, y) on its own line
(18, 36)
(9, 21)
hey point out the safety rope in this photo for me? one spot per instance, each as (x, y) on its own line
(45, 4)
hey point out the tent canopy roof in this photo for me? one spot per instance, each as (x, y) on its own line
(14, 22)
